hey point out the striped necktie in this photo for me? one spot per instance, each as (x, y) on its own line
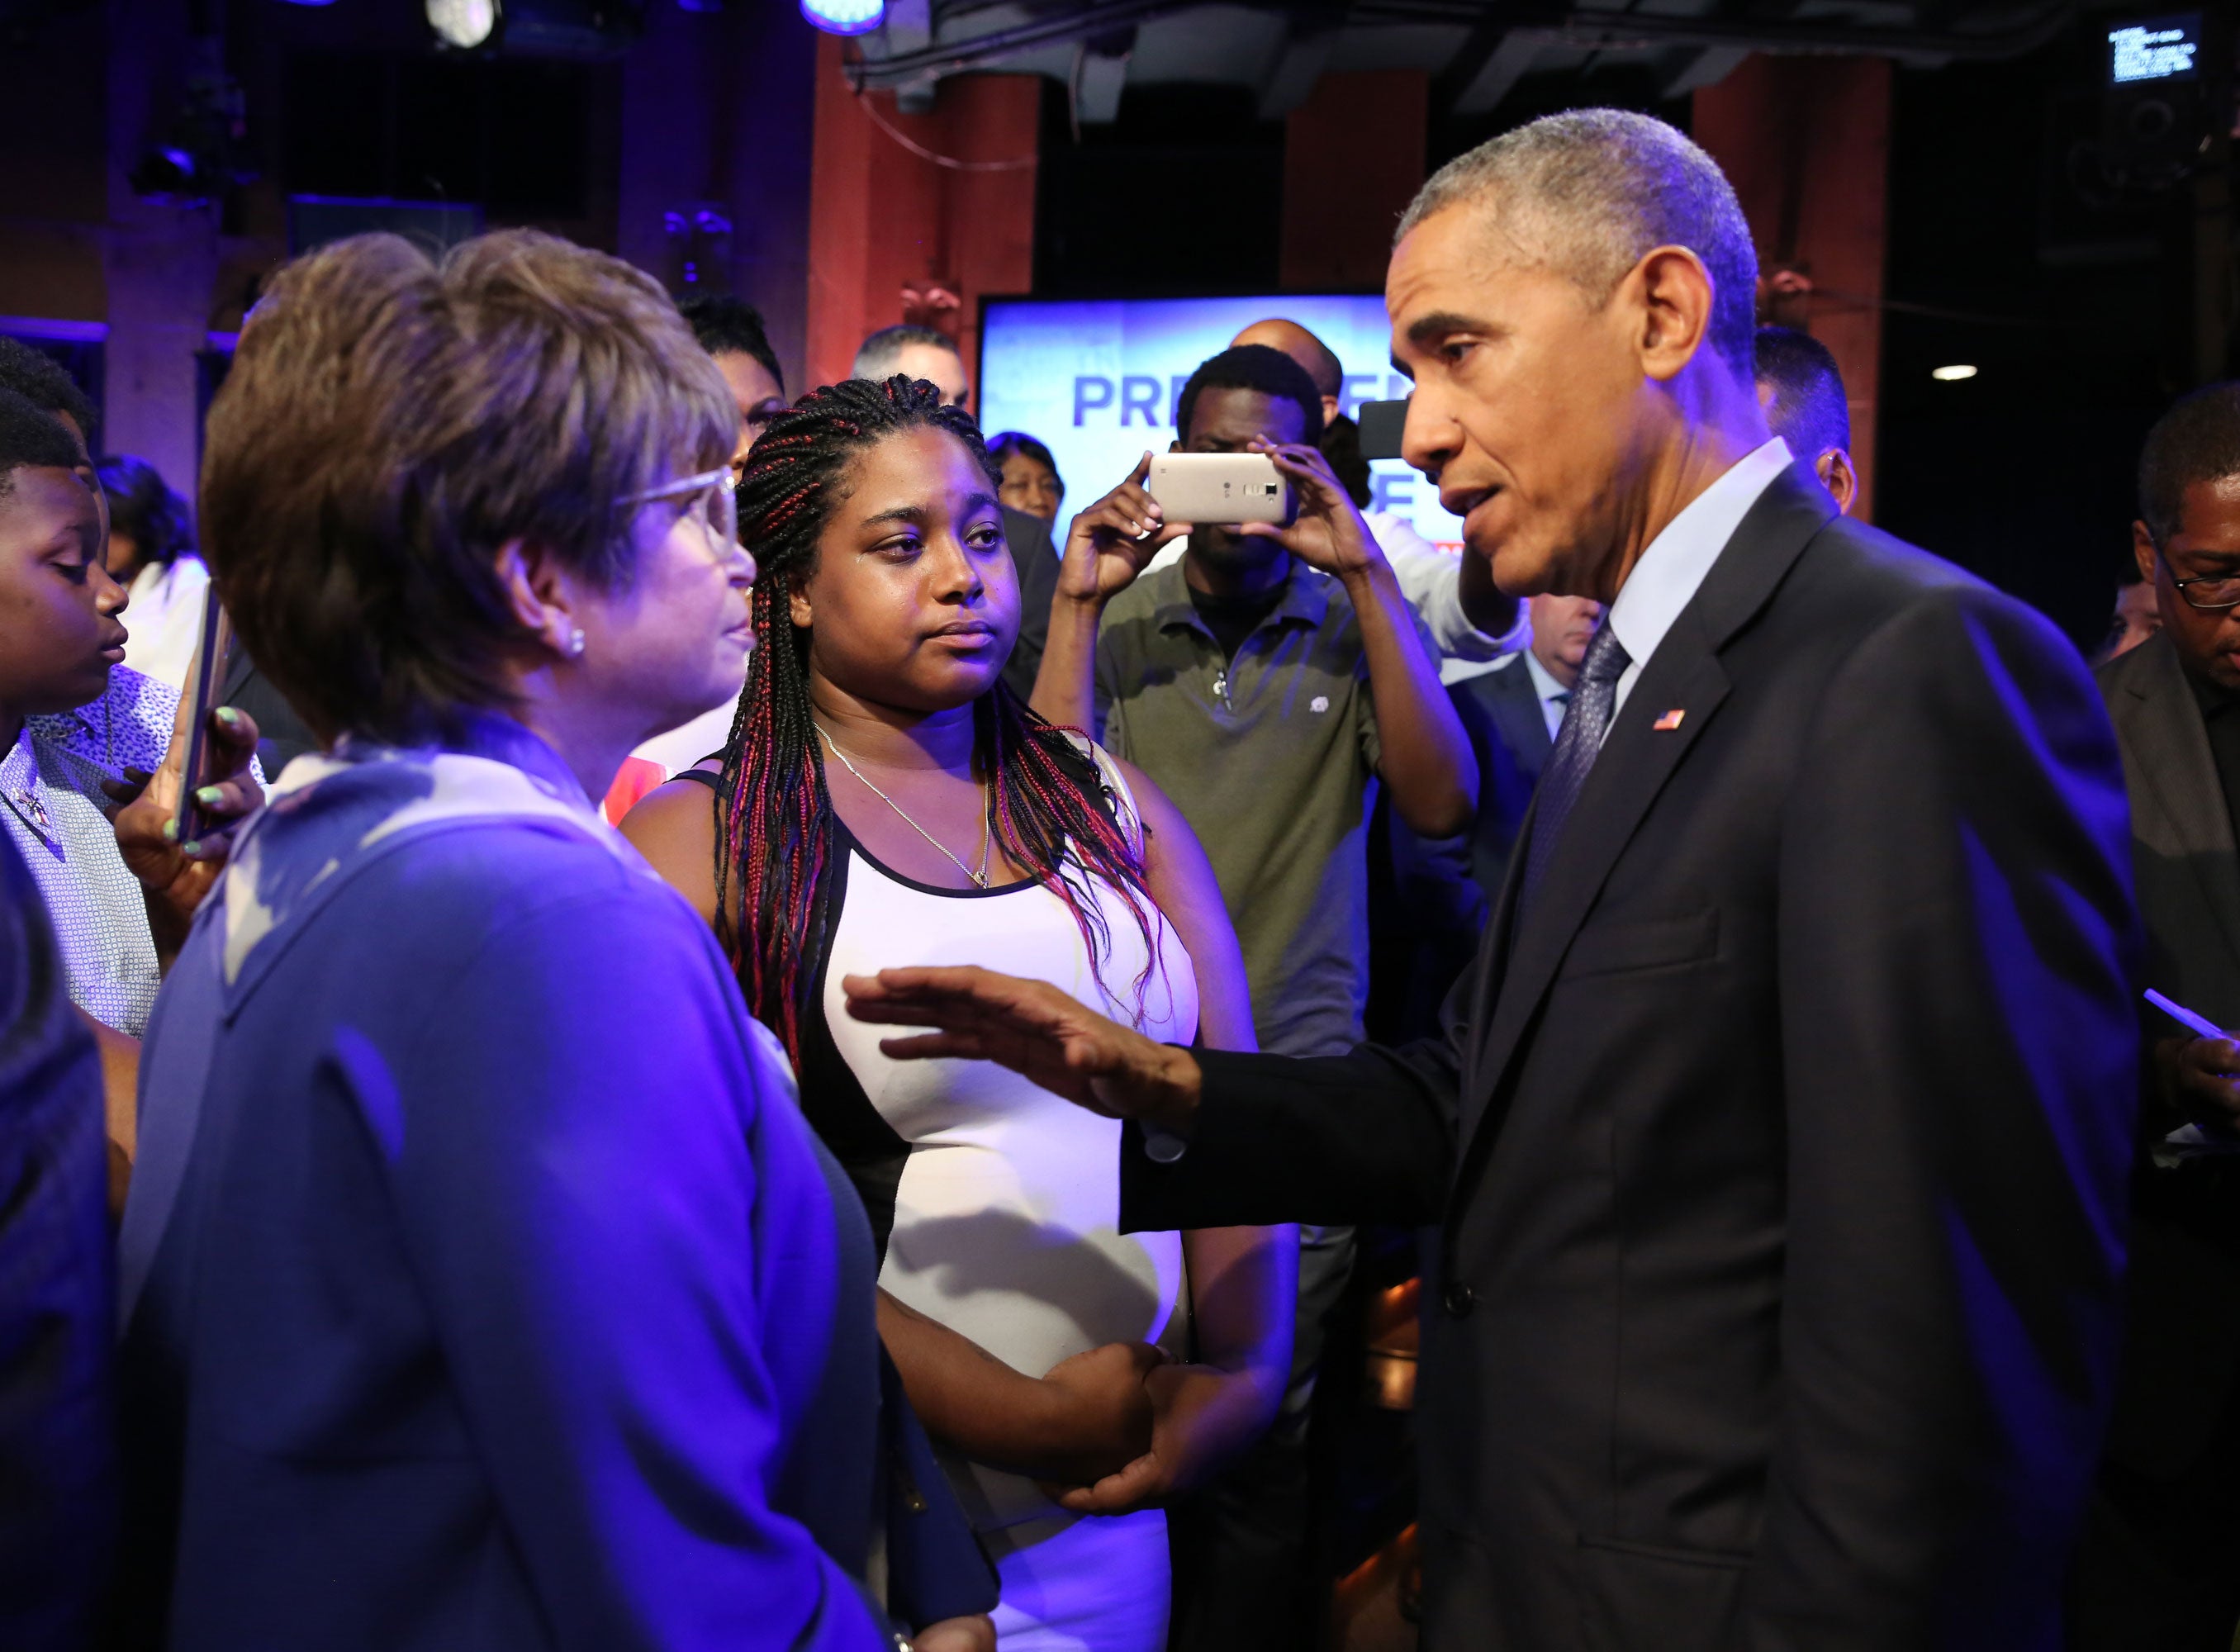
(1586, 720)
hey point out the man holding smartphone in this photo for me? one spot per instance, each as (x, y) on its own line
(1473, 623)
(1266, 681)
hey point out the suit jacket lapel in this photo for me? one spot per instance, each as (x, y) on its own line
(1636, 759)
(2176, 774)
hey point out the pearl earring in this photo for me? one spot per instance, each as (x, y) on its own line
(576, 644)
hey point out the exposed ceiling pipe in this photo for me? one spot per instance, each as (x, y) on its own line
(1580, 28)
(951, 57)
(1572, 27)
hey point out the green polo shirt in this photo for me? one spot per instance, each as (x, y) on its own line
(1272, 758)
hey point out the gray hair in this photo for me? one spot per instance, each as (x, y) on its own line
(876, 355)
(1589, 192)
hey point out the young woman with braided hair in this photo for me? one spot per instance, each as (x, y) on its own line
(885, 800)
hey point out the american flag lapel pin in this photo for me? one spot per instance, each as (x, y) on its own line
(1670, 721)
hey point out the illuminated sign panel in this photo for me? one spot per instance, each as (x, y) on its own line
(2160, 49)
(1097, 380)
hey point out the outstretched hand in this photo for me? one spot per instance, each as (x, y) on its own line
(1114, 540)
(1327, 531)
(1036, 1030)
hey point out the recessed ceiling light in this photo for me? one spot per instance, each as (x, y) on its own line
(1951, 375)
(844, 16)
(464, 25)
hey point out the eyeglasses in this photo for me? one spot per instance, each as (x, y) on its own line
(715, 507)
(2208, 591)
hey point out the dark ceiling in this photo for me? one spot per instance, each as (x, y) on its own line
(1478, 53)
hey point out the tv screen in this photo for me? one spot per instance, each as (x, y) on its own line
(2156, 48)
(1096, 380)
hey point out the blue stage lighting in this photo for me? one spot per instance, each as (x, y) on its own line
(844, 16)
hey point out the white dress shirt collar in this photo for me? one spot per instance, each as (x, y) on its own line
(1670, 571)
(1554, 697)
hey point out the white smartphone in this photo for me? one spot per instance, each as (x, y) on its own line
(1220, 487)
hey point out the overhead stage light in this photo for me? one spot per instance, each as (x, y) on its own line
(464, 25)
(1953, 373)
(844, 16)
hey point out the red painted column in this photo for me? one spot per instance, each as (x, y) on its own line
(1806, 143)
(883, 216)
(1353, 158)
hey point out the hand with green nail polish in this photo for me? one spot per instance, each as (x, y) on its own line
(178, 869)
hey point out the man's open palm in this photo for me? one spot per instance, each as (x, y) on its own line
(1036, 1030)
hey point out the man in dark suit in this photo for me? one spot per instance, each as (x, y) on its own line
(2159, 1569)
(1430, 897)
(1511, 714)
(1779, 1134)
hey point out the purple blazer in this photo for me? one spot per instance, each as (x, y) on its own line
(485, 1288)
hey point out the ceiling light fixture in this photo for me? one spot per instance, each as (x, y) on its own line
(463, 25)
(846, 17)
(1953, 373)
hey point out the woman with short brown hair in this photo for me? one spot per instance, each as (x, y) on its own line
(454, 1322)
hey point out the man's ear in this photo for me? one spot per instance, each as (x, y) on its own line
(2142, 550)
(1673, 294)
(539, 592)
(1839, 476)
(1175, 446)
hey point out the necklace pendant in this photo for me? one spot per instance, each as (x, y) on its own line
(987, 837)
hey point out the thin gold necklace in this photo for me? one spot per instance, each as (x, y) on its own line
(987, 837)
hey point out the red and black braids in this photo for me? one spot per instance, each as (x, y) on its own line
(1045, 808)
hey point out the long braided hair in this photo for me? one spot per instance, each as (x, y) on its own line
(778, 828)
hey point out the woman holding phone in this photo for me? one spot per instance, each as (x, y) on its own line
(883, 799)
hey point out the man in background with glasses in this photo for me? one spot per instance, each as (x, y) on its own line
(2159, 1567)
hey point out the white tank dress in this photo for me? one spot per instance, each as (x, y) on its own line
(996, 1204)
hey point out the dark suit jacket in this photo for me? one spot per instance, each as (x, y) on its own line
(1500, 711)
(1037, 557)
(2182, 1347)
(1428, 897)
(1779, 1150)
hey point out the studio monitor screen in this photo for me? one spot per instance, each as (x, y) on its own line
(1097, 381)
